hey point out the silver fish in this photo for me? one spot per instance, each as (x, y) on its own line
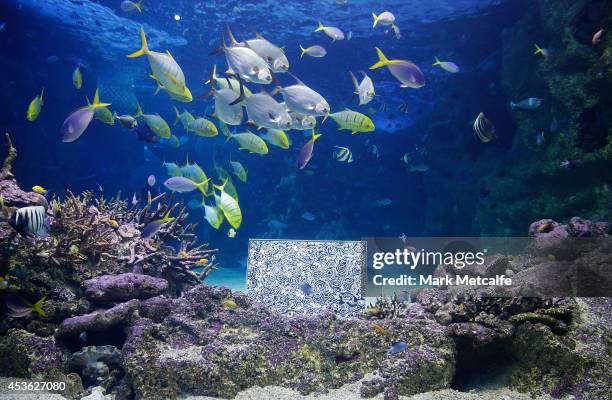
(30, 221)
(303, 99)
(245, 62)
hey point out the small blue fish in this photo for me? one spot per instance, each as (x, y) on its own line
(153, 227)
(397, 348)
(306, 288)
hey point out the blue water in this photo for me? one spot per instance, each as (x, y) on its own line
(42, 43)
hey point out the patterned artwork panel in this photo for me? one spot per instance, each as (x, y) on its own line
(307, 276)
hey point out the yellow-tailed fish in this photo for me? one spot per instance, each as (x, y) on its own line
(225, 176)
(353, 121)
(155, 122)
(239, 170)
(77, 77)
(35, 106)
(185, 118)
(129, 6)
(404, 71)
(77, 122)
(277, 137)
(225, 129)
(213, 215)
(196, 174)
(202, 127)
(229, 206)
(166, 72)
(250, 142)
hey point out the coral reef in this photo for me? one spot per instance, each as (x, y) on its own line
(131, 318)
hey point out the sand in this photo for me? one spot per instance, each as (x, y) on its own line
(351, 392)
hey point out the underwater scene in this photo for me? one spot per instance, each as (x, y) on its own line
(306, 199)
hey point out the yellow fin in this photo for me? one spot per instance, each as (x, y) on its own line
(382, 60)
(144, 49)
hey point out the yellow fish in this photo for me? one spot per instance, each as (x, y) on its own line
(202, 127)
(113, 223)
(277, 137)
(39, 189)
(353, 121)
(166, 71)
(229, 206)
(239, 170)
(183, 254)
(229, 303)
(201, 261)
(213, 215)
(77, 77)
(185, 118)
(379, 328)
(35, 106)
(250, 142)
(154, 121)
(102, 114)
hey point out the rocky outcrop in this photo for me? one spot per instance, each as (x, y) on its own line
(98, 321)
(123, 287)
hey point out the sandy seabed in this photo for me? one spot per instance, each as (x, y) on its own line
(347, 392)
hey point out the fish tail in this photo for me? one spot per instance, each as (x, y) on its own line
(138, 110)
(143, 48)
(512, 105)
(138, 5)
(320, 27)
(437, 62)
(178, 116)
(375, 20)
(382, 60)
(37, 307)
(233, 40)
(222, 45)
(213, 76)
(96, 101)
(539, 50)
(315, 136)
(203, 186)
(354, 79)
(304, 51)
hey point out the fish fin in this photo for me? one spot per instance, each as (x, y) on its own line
(375, 17)
(437, 62)
(202, 184)
(304, 51)
(382, 60)
(169, 54)
(233, 40)
(37, 307)
(144, 49)
(315, 136)
(41, 95)
(259, 36)
(96, 101)
(178, 116)
(138, 5)
(355, 83)
(213, 75)
(296, 79)
(241, 97)
(222, 45)
(320, 27)
(512, 105)
(138, 110)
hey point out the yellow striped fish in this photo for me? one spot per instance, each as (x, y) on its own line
(239, 170)
(213, 215)
(250, 142)
(202, 127)
(229, 206)
(353, 121)
(166, 72)
(155, 122)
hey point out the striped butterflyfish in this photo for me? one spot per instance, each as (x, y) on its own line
(343, 154)
(30, 221)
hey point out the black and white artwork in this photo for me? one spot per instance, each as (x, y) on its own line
(306, 277)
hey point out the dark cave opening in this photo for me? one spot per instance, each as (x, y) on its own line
(481, 366)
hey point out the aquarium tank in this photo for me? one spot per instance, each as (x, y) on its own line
(306, 199)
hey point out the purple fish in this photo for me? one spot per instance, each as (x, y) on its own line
(306, 151)
(183, 185)
(76, 123)
(404, 71)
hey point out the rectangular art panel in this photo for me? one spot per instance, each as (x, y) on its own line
(306, 277)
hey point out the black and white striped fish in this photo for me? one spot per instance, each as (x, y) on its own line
(30, 221)
(343, 154)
